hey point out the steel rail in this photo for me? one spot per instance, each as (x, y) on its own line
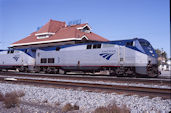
(93, 78)
(162, 92)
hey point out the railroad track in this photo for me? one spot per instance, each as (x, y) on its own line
(145, 91)
(152, 81)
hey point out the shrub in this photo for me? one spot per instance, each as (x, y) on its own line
(11, 100)
(75, 107)
(101, 110)
(20, 93)
(124, 109)
(69, 107)
(112, 109)
(11, 94)
(1, 97)
(57, 103)
(116, 109)
(45, 101)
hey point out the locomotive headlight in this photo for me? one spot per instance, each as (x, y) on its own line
(151, 51)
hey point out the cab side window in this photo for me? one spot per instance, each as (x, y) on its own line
(129, 43)
(94, 46)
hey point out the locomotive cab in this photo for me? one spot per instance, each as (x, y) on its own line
(148, 59)
(29, 60)
(147, 47)
(16, 59)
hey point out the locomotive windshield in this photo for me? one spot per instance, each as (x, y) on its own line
(144, 43)
(147, 48)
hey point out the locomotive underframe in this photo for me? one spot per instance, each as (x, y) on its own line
(121, 71)
(152, 71)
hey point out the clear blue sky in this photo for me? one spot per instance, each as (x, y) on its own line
(112, 19)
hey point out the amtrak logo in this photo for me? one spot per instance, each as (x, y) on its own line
(106, 55)
(16, 58)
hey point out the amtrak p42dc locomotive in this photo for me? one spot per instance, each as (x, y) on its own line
(22, 60)
(122, 58)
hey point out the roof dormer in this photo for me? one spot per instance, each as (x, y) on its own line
(86, 28)
(49, 29)
(44, 35)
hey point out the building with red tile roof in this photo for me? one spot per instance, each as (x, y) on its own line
(58, 33)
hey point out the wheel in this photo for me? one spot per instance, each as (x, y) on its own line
(61, 71)
(37, 70)
(49, 70)
(21, 69)
(56, 71)
(153, 73)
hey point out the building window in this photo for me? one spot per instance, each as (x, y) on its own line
(85, 29)
(89, 46)
(51, 60)
(10, 51)
(43, 60)
(42, 36)
(96, 46)
(57, 48)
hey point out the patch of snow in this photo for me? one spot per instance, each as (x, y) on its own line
(11, 79)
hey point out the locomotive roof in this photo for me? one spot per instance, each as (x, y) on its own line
(118, 42)
(138, 47)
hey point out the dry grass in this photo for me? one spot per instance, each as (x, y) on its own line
(57, 104)
(20, 93)
(1, 97)
(45, 101)
(69, 107)
(112, 109)
(75, 107)
(12, 99)
(102, 110)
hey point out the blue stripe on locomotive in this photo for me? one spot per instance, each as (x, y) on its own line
(1, 50)
(144, 50)
(28, 51)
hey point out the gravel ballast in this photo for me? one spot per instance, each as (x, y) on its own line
(87, 101)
